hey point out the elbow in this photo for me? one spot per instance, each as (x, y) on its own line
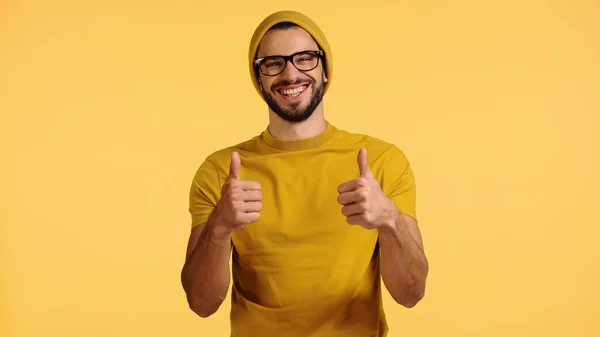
(411, 296)
(415, 292)
(203, 307)
(203, 310)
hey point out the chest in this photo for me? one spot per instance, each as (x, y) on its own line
(300, 208)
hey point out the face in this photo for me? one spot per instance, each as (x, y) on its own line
(293, 95)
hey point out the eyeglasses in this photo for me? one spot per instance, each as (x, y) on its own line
(274, 65)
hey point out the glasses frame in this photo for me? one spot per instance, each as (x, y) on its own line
(320, 54)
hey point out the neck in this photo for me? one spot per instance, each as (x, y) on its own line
(285, 130)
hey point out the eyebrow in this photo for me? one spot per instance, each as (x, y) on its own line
(311, 48)
(299, 51)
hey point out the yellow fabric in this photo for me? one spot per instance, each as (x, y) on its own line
(301, 270)
(303, 21)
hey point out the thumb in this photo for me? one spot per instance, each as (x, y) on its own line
(234, 167)
(363, 164)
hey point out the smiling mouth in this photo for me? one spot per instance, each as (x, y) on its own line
(293, 92)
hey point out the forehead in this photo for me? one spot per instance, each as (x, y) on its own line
(285, 42)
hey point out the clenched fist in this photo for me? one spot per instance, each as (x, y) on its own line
(363, 201)
(240, 201)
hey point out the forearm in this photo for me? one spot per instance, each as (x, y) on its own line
(404, 266)
(205, 275)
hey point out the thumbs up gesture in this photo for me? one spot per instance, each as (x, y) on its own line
(363, 201)
(240, 201)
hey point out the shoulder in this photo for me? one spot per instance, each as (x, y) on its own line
(220, 159)
(379, 150)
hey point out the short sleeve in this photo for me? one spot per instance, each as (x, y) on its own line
(205, 192)
(398, 181)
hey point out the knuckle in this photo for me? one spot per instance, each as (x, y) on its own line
(363, 194)
(239, 207)
(239, 218)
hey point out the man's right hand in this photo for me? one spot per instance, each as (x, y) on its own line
(240, 201)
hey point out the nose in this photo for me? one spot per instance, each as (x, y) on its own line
(290, 70)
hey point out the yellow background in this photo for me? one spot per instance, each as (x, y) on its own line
(108, 107)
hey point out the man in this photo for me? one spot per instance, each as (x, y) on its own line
(311, 215)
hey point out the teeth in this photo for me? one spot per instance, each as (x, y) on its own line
(293, 92)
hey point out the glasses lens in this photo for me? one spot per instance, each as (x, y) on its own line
(306, 61)
(272, 65)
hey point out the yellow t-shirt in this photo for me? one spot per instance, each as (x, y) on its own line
(301, 269)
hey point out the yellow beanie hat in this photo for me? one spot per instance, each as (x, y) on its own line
(301, 20)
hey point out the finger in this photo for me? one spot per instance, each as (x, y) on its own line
(247, 185)
(250, 196)
(363, 164)
(350, 197)
(353, 209)
(234, 167)
(252, 206)
(354, 219)
(245, 196)
(348, 186)
(352, 185)
(249, 217)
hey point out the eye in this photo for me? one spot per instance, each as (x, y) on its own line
(306, 57)
(272, 62)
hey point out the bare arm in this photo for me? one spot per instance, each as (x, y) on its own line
(205, 274)
(404, 266)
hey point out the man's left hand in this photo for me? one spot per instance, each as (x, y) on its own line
(363, 201)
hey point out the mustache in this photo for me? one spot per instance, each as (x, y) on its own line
(284, 83)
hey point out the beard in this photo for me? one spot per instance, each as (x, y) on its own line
(295, 113)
